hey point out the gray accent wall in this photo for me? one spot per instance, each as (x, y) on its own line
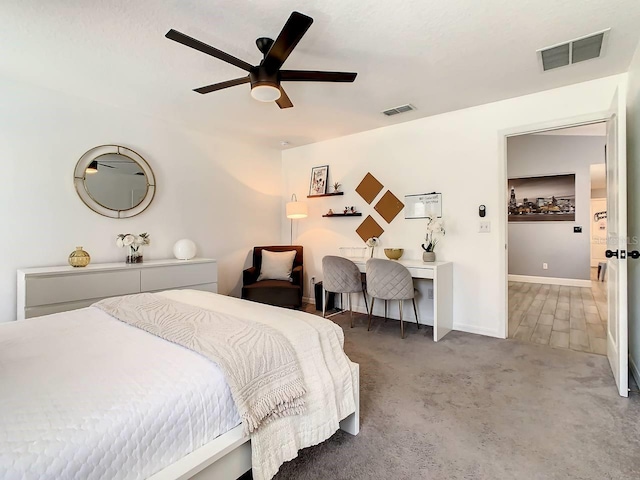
(533, 243)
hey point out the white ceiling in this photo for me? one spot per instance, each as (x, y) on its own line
(438, 55)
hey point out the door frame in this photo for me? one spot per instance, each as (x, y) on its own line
(503, 245)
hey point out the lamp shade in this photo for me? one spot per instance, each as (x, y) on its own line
(296, 210)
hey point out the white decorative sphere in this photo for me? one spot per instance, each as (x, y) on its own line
(184, 249)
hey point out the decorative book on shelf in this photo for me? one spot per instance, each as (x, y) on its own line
(325, 195)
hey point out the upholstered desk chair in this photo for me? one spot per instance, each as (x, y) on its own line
(390, 280)
(341, 275)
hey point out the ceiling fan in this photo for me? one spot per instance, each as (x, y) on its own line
(265, 78)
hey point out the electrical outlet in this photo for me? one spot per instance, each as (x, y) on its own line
(545, 266)
(485, 226)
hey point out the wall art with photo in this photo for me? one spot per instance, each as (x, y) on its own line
(542, 199)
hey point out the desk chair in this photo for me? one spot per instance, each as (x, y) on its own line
(341, 275)
(389, 280)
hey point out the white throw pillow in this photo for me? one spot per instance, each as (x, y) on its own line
(276, 265)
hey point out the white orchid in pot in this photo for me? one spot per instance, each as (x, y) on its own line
(435, 227)
(133, 242)
(372, 243)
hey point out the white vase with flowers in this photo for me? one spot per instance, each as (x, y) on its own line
(435, 227)
(134, 243)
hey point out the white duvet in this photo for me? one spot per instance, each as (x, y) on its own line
(85, 396)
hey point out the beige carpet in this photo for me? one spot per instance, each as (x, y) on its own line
(472, 407)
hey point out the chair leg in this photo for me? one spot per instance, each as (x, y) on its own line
(364, 294)
(325, 294)
(415, 310)
(385, 310)
(370, 313)
(401, 321)
(350, 309)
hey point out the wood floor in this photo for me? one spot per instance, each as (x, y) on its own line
(559, 316)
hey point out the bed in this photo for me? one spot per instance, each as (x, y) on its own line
(84, 395)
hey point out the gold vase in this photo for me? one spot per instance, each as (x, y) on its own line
(79, 258)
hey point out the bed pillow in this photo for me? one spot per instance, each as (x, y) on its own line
(276, 265)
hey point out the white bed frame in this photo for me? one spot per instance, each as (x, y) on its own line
(228, 457)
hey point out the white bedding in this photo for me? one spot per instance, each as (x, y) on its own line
(72, 406)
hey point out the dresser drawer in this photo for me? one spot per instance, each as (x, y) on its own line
(46, 290)
(177, 276)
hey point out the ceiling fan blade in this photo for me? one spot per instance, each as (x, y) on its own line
(312, 76)
(208, 49)
(219, 86)
(291, 33)
(284, 101)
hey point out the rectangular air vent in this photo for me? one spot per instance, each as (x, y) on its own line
(574, 51)
(401, 109)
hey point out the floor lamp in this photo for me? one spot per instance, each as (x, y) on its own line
(295, 210)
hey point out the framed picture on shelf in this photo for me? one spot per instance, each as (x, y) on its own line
(319, 177)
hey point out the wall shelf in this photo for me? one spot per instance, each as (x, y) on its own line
(357, 214)
(326, 195)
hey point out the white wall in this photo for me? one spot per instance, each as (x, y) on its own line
(456, 153)
(567, 254)
(633, 176)
(224, 195)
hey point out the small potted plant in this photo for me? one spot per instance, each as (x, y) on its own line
(133, 242)
(434, 227)
(336, 187)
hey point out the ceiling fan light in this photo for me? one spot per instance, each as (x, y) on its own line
(265, 93)
(92, 168)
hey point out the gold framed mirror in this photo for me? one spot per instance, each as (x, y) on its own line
(114, 181)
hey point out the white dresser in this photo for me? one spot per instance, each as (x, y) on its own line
(46, 290)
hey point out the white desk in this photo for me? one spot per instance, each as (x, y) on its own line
(442, 275)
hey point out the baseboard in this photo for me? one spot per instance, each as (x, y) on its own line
(457, 327)
(567, 282)
(487, 332)
(634, 370)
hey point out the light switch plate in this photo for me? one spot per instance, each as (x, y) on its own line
(485, 226)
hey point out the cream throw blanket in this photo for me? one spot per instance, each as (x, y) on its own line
(258, 362)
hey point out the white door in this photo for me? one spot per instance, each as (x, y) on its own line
(617, 334)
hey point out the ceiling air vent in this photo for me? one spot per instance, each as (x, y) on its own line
(574, 51)
(401, 109)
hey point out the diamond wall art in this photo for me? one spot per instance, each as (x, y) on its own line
(389, 206)
(369, 188)
(369, 228)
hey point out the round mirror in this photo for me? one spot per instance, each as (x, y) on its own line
(114, 181)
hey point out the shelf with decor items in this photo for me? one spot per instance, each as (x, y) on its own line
(357, 214)
(326, 195)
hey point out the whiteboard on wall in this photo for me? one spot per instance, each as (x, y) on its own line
(422, 205)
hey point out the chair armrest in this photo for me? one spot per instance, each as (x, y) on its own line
(296, 275)
(249, 276)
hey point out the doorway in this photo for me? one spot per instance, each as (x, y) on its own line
(554, 296)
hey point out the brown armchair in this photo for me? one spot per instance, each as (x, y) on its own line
(281, 293)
